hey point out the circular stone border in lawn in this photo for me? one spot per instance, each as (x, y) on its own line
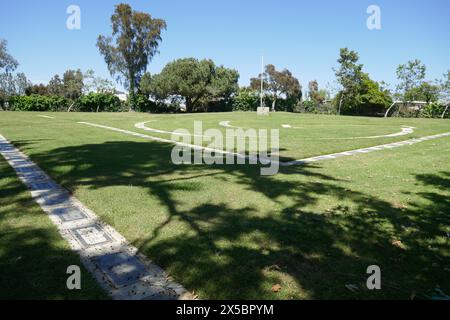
(405, 130)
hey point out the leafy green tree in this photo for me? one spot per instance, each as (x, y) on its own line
(411, 76)
(7, 62)
(136, 36)
(196, 82)
(7, 65)
(37, 89)
(278, 83)
(350, 77)
(246, 100)
(426, 91)
(73, 84)
(445, 87)
(56, 86)
(70, 86)
(372, 98)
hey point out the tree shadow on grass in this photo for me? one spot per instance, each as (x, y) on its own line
(33, 256)
(230, 251)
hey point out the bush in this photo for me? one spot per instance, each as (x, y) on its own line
(245, 100)
(310, 106)
(99, 102)
(38, 103)
(433, 110)
(142, 103)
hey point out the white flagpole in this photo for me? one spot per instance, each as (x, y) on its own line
(262, 80)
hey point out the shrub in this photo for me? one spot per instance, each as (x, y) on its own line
(310, 106)
(245, 100)
(38, 103)
(142, 103)
(432, 110)
(99, 102)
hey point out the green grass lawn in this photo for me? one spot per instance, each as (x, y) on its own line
(228, 232)
(33, 256)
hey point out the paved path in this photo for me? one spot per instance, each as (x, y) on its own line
(118, 267)
(364, 150)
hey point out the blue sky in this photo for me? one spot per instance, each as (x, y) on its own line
(303, 36)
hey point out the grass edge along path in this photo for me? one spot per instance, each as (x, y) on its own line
(116, 265)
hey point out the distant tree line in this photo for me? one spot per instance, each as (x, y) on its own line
(192, 85)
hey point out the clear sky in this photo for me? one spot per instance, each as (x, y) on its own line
(303, 36)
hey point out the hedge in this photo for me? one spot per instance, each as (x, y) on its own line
(38, 103)
(98, 102)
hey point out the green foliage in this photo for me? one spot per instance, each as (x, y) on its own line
(142, 103)
(426, 91)
(246, 100)
(433, 110)
(310, 106)
(99, 102)
(411, 76)
(278, 83)
(38, 103)
(137, 36)
(198, 83)
(316, 95)
(70, 86)
(39, 89)
(7, 62)
(350, 77)
(360, 95)
(372, 100)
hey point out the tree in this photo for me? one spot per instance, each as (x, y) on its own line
(137, 36)
(278, 83)
(426, 91)
(7, 65)
(73, 84)
(7, 62)
(70, 86)
(92, 83)
(37, 89)
(445, 86)
(196, 82)
(372, 98)
(56, 86)
(411, 76)
(316, 95)
(350, 77)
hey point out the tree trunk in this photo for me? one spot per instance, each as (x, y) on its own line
(131, 93)
(274, 104)
(189, 105)
(445, 111)
(71, 106)
(340, 102)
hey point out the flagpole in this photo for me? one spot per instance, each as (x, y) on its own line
(262, 80)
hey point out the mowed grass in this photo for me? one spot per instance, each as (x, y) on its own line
(33, 256)
(228, 232)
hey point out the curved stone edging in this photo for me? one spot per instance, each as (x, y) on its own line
(288, 163)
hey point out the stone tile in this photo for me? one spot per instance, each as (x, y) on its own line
(69, 214)
(27, 169)
(92, 235)
(44, 185)
(122, 268)
(53, 198)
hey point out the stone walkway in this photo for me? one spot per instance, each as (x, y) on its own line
(364, 150)
(123, 272)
